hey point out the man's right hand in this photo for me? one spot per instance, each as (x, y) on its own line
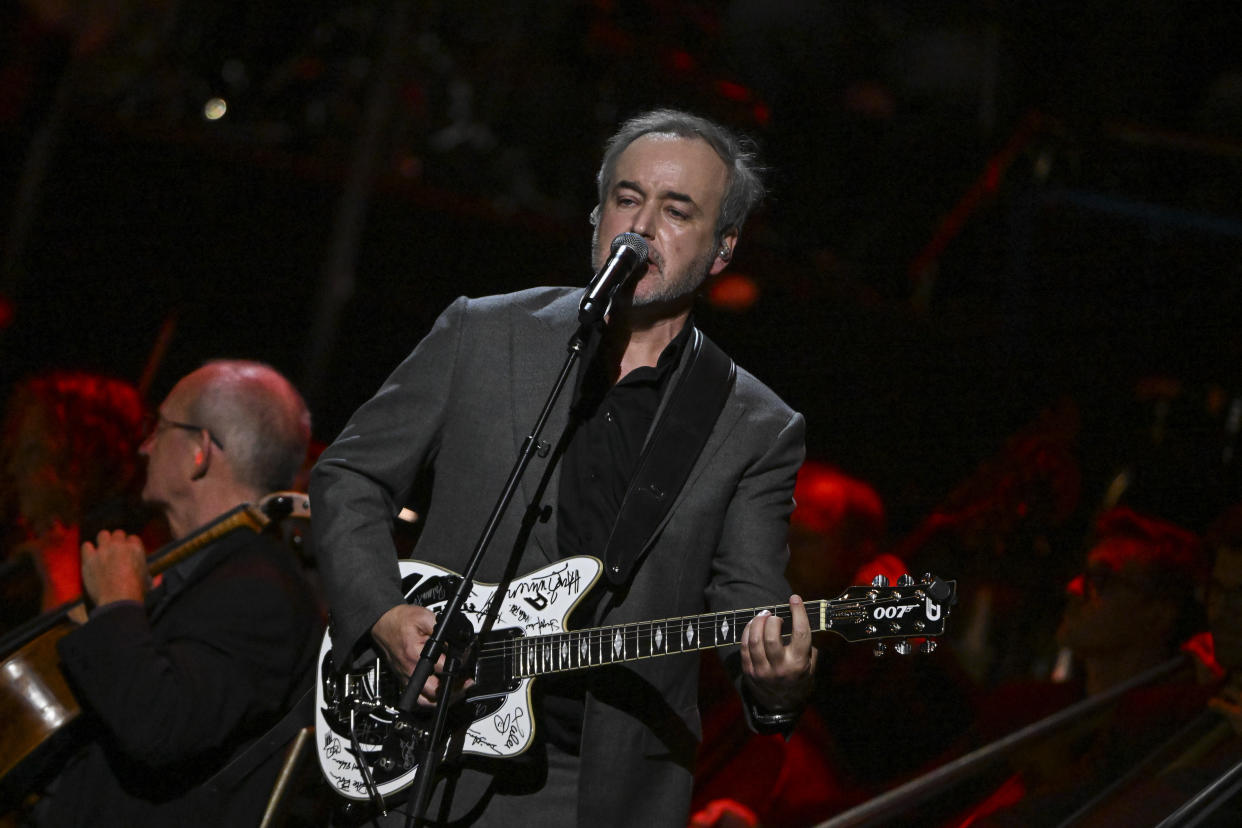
(400, 634)
(114, 568)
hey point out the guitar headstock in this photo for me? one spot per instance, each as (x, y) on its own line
(907, 610)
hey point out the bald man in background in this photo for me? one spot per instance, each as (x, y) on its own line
(178, 681)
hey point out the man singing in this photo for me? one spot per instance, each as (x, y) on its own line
(665, 461)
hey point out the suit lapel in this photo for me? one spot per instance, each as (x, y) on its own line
(536, 360)
(720, 434)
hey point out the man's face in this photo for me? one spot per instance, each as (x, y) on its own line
(170, 450)
(668, 190)
(1111, 605)
(1224, 607)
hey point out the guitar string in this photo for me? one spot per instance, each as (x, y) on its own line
(543, 648)
(707, 621)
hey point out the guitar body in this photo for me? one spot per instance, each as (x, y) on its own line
(495, 718)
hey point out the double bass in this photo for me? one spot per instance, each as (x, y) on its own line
(36, 704)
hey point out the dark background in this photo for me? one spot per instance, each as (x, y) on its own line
(983, 214)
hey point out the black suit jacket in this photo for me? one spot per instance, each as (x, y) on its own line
(175, 689)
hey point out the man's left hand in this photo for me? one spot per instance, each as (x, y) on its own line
(779, 675)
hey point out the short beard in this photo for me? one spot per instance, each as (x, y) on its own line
(674, 293)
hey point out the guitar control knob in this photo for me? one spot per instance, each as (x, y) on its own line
(903, 647)
(905, 580)
(879, 649)
(928, 646)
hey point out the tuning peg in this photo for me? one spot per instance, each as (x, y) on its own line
(928, 646)
(939, 590)
(903, 647)
(905, 580)
(879, 581)
(879, 649)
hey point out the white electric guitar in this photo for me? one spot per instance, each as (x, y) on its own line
(368, 748)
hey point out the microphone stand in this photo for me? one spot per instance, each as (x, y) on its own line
(588, 323)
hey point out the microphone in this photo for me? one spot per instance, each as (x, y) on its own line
(629, 253)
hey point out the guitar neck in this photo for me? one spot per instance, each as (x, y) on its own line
(581, 649)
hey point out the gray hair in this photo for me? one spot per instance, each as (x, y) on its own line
(744, 189)
(260, 418)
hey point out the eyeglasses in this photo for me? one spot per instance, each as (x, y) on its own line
(158, 422)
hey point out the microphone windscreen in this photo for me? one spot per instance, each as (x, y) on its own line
(633, 241)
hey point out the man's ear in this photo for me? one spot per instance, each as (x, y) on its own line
(724, 251)
(203, 453)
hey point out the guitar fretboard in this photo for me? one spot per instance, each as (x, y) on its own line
(580, 649)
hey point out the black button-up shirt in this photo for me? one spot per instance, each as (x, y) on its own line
(610, 423)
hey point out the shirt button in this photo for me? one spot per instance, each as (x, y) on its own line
(608, 416)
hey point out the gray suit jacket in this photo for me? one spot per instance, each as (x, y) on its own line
(443, 433)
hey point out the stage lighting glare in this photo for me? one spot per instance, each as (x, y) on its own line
(215, 108)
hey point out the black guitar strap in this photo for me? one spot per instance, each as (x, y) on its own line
(671, 451)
